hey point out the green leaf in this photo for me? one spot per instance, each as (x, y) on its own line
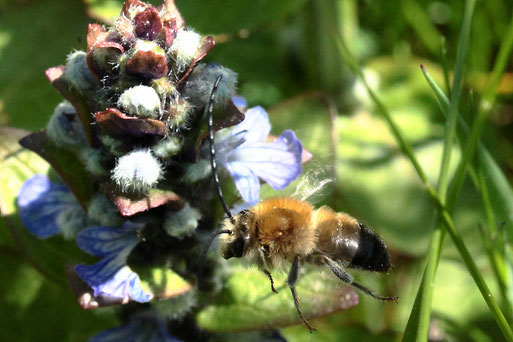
(247, 302)
(65, 162)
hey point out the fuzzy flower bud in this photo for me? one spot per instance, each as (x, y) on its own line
(92, 159)
(64, 127)
(168, 147)
(182, 223)
(199, 84)
(102, 211)
(137, 171)
(141, 101)
(197, 171)
(185, 47)
(78, 73)
(180, 113)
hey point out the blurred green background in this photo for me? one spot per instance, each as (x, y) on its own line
(287, 61)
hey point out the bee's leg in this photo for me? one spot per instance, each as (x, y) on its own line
(291, 281)
(263, 267)
(347, 278)
(268, 274)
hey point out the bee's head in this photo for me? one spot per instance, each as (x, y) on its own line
(236, 242)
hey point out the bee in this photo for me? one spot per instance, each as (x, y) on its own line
(286, 231)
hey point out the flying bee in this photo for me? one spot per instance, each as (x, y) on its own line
(284, 230)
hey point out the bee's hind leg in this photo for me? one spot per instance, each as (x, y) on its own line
(347, 278)
(291, 281)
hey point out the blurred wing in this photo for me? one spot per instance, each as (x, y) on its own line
(315, 184)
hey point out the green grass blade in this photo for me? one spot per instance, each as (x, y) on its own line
(450, 130)
(417, 328)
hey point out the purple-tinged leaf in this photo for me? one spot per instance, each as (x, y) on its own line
(128, 206)
(169, 31)
(147, 64)
(117, 124)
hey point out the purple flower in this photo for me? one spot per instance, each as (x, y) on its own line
(142, 327)
(247, 155)
(47, 208)
(111, 277)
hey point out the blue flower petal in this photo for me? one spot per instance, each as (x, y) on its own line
(246, 181)
(104, 270)
(141, 328)
(124, 284)
(100, 241)
(111, 277)
(277, 163)
(41, 201)
(240, 102)
(256, 125)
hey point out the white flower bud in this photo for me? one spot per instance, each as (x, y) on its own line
(184, 48)
(137, 171)
(141, 101)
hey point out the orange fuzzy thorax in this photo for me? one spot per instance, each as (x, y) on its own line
(285, 228)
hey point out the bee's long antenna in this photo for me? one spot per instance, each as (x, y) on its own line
(209, 111)
(207, 247)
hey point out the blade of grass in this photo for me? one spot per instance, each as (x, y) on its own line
(417, 328)
(445, 216)
(450, 130)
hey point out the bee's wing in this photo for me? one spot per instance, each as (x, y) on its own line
(314, 184)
